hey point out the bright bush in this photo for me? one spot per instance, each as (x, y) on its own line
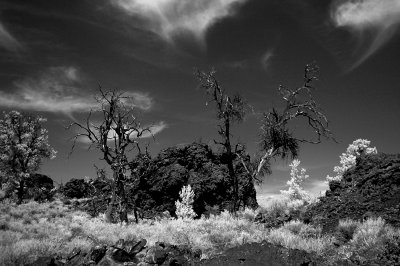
(297, 177)
(184, 207)
(348, 159)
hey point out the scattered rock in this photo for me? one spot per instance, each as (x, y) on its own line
(124, 253)
(134, 249)
(120, 255)
(156, 255)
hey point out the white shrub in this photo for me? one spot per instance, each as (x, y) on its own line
(348, 159)
(184, 207)
(297, 177)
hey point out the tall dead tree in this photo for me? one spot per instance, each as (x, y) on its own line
(115, 136)
(230, 109)
(276, 138)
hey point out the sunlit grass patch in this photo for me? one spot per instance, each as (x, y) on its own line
(31, 230)
(211, 234)
(297, 235)
(369, 240)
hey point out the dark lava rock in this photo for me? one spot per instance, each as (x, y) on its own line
(160, 179)
(121, 255)
(264, 253)
(370, 189)
(97, 253)
(43, 261)
(181, 255)
(139, 246)
(156, 255)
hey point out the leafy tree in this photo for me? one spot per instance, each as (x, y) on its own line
(230, 110)
(348, 159)
(24, 144)
(115, 136)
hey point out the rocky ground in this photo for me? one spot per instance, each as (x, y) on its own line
(126, 253)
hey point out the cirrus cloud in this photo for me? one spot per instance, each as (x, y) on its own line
(154, 129)
(7, 41)
(168, 18)
(59, 90)
(380, 18)
(266, 58)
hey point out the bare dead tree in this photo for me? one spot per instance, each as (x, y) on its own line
(276, 138)
(229, 110)
(115, 137)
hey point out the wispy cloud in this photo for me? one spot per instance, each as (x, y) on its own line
(154, 130)
(266, 58)
(170, 18)
(139, 100)
(7, 41)
(380, 18)
(59, 90)
(55, 90)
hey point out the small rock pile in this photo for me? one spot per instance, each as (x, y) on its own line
(126, 253)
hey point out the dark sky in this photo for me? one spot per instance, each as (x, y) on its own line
(54, 54)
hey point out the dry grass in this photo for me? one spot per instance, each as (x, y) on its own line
(31, 230)
(297, 235)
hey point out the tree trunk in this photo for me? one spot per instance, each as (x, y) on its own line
(110, 208)
(267, 156)
(119, 197)
(231, 169)
(123, 204)
(20, 192)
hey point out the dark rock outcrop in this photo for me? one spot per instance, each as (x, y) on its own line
(159, 180)
(370, 189)
(156, 182)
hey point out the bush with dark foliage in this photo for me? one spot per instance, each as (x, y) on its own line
(39, 187)
(76, 188)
